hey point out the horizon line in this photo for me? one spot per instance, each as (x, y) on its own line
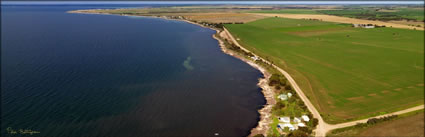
(302, 2)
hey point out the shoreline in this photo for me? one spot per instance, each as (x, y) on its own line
(268, 93)
(265, 112)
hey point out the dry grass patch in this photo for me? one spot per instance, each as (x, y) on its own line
(355, 98)
(372, 95)
(222, 17)
(409, 126)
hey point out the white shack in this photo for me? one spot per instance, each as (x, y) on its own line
(301, 125)
(254, 58)
(305, 118)
(284, 125)
(297, 120)
(282, 97)
(285, 119)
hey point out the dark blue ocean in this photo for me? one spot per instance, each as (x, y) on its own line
(74, 75)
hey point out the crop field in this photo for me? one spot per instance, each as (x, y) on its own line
(414, 14)
(348, 73)
(410, 125)
(286, 11)
(205, 14)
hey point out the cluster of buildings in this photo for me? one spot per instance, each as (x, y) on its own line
(285, 122)
(297, 122)
(368, 26)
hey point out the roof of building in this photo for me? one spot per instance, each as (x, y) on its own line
(297, 119)
(285, 119)
(282, 97)
(305, 118)
(289, 94)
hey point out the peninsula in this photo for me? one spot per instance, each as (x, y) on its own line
(327, 69)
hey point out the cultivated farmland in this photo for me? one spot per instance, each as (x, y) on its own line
(409, 126)
(348, 73)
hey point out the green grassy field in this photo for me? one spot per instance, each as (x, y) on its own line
(348, 73)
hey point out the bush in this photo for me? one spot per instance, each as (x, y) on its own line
(274, 80)
(298, 133)
(279, 105)
(372, 121)
(288, 87)
(259, 135)
(278, 80)
(305, 129)
(376, 120)
(315, 122)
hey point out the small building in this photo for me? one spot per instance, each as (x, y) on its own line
(281, 126)
(297, 120)
(285, 119)
(301, 125)
(305, 118)
(292, 128)
(282, 97)
(289, 95)
(369, 27)
(284, 125)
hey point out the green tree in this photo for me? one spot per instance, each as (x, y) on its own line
(315, 122)
(259, 135)
(305, 129)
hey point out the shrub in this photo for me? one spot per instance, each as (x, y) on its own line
(278, 80)
(376, 120)
(288, 87)
(259, 135)
(297, 133)
(274, 80)
(315, 122)
(277, 87)
(305, 129)
(279, 105)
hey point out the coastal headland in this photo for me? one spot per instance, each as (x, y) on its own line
(221, 18)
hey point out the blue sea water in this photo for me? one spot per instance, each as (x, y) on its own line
(66, 74)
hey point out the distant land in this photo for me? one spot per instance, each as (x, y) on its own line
(215, 0)
(222, 2)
